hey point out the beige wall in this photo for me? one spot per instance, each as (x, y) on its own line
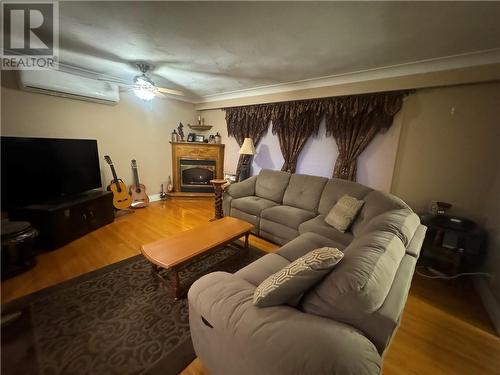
(491, 212)
(448, 148)
(130, 129)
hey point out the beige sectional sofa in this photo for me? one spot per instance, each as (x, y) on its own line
(344, 324)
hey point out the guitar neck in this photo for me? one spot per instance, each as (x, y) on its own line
(136, 176)
(115, 177)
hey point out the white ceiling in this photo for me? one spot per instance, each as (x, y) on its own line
(211, 48)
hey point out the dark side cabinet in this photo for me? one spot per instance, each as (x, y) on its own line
(63, 222)
(452, 244)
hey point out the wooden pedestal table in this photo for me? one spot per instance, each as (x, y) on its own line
(176, 251)
(218, 198)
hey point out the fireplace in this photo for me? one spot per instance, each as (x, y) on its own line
(195, 175)
(194, 164)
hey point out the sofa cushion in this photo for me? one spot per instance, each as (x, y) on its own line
(403, 223)
(360, 283)
(319, 226)
(252, 205)
(242, 189)
(305, 243)
(376, 203)
(304, 191)
(296, 278)
(344, 212)
(271, 185)
(276, 232)
(292, 217)
(256, 272)
(336, 189)
(249, 218)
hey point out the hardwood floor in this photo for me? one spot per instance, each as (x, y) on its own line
(444, 329)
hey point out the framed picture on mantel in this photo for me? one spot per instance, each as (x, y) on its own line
(199, 138)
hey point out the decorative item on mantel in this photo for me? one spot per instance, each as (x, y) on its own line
(175, 136)
(200, 127)
(248, 150)
(218, 138)
(181, 132)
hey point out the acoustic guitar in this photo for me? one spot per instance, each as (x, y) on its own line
(138, 190)
(121, 197)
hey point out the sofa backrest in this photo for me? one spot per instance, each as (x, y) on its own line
(271, 185)
(403, 223)
(335, 188)
(360, 283)
(304, 191)
(376, 203)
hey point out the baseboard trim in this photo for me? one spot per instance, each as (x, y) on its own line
(491, 304)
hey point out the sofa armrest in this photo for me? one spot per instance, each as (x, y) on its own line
(231, 335)
(242, 189)
(416, 242)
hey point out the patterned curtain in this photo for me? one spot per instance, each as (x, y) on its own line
(354, 121)
(247, 122)
(294, 123)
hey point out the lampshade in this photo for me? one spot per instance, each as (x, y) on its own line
(247, 148)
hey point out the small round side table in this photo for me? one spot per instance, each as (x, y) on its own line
(219, 214)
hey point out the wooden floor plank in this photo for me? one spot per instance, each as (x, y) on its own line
(444, 329)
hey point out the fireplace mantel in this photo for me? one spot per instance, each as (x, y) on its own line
(195, 151)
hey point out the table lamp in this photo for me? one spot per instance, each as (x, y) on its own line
(247, 150)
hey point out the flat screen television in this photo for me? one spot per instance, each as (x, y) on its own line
(39, 170)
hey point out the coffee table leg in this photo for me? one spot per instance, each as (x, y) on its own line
(177, 286)
(246, 240)
(178, 294)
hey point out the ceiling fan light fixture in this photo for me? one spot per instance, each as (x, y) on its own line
(144, 88)
(144, 94)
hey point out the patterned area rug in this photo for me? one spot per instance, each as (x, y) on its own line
(115, 320)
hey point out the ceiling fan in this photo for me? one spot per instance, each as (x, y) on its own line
(144, 87)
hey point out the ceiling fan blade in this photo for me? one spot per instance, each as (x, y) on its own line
(164, 90)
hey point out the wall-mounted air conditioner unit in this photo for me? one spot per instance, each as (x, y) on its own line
(59, 83)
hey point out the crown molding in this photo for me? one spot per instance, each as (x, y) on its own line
(471, 59)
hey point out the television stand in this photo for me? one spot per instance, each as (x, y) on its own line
(65, 220)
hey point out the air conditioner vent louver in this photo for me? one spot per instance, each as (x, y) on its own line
(58, 83)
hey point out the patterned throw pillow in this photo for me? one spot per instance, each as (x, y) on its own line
(289, 283)
(344, 212)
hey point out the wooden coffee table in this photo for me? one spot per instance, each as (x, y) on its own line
(176, 251)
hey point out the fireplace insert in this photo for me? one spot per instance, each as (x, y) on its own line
(196, 175)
